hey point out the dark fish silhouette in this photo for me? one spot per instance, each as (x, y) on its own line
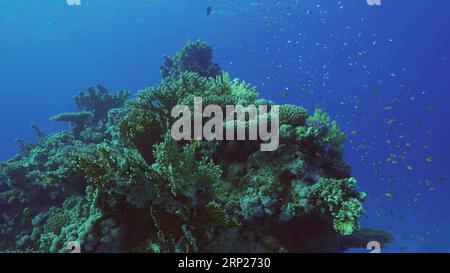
(208, 11)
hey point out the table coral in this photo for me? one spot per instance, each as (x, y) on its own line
(77, 120)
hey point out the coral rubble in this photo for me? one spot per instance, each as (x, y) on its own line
(118, 182)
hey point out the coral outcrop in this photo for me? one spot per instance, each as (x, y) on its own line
(195, 57)
(118, 182)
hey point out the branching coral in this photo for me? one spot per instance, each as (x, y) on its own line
(99, 101)
(194, 57)
(24, 145)
(340, 200)
(118, 171)
(140, 129)
(325, 128)
(183, 172)
(220, 90)
(39, 132)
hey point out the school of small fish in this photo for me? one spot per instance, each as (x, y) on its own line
(353, 76)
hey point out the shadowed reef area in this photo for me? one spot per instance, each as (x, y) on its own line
(117, 182)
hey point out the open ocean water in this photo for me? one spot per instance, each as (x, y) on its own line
(382, 72)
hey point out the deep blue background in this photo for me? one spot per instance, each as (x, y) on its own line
(382, 72)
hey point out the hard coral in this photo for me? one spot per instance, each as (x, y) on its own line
(56, 221)
(194, 57)
(140, 129)
(325, 128)
(99, 101)
(293, 115)
(340, 201)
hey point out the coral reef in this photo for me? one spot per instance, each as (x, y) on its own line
(194, 57)
(99, 101)
(118, 182)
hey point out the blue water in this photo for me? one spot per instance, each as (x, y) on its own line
(382, 72)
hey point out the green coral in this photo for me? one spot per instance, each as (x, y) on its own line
(219, 90)
(118, 171)
(98, 101)
(347, 219)
(293, 115)
(56, 222)
(324, 127)
(241, 92)
(80, 219)
(340, 200)
(140, 129)
(183, 172)
(193, 57)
